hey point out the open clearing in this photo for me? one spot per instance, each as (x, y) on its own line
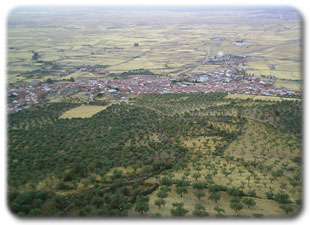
(83, 111)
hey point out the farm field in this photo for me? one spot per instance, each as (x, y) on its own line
(82, 111)
(259, 97)
(169, 42)
(288, 84)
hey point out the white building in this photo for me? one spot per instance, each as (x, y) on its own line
(220, 54)
(203, 79)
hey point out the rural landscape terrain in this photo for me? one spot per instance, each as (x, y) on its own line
(154, 112)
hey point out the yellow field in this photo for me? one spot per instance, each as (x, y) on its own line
(259, 97)
(82, 111)
(288, 84)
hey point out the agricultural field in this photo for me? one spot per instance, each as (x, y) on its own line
(82, 111)
(217, 157)
(260, 97)
(169, 42)
(288, 84)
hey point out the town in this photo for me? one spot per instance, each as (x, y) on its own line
(229, 81)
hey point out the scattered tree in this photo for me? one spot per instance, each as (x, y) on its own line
(178, 209)
(200, 210)
(159, 202)
(249, 202)
(142, 204)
